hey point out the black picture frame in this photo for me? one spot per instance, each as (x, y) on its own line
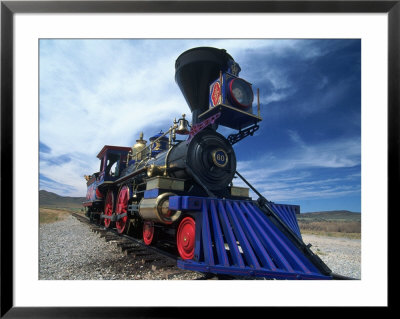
(9, 8)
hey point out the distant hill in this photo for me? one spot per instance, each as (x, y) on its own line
(49, 199)
(334, 215)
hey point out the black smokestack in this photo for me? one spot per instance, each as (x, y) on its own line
(195, 69)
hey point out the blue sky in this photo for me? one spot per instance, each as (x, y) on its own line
(306, 152)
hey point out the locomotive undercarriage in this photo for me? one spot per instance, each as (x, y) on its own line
(120, 210)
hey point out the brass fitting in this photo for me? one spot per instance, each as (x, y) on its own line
(157, 209)
(155, 170)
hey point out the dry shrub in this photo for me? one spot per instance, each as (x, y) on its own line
(330, 226)
(49, 215)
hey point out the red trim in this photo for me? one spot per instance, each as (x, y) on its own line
(186, 237)
(122, 207)
(115, 148)
(86, 204)
(216, 93)
(98, 193)
(108, 208)
(148, 232)
(233, 96)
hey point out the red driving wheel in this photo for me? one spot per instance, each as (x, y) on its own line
(108, 208)
(148, 232)
(185, 238)
(122, 208)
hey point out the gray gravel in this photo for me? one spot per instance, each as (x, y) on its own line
(69, 250)
(342, 255)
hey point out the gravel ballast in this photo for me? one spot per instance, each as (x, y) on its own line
(342, 255)
(69, 250)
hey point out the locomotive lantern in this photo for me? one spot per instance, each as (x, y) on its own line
(231, 90)
(233, 97)
(183, 189)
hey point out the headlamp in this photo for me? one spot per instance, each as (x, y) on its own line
(240, 93)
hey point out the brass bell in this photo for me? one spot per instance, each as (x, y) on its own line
(183, 124)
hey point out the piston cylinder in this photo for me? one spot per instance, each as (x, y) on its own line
(157, 209)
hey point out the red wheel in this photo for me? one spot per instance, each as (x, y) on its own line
(148, 232)
(185, 238)
(122, 208)
(108, 208)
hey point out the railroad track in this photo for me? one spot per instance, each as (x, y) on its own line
(155, 257)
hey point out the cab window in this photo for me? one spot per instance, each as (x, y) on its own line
(112, 168)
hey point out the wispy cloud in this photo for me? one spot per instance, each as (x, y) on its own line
(56, 160)
(94, 93)
(306, 170)
(54, 186)
(97, 92)
(305, 77)
(43, 148)
(298, 187)
(332, 154)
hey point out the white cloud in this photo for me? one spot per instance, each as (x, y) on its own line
(288, 175)
(337, 153)
(98, 92)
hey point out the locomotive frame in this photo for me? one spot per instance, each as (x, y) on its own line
(181, 191)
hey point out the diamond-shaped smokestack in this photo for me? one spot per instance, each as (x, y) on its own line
(195, 69)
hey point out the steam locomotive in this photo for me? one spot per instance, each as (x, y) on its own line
(179, 187)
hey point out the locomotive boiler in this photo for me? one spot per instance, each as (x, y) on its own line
(179, 187)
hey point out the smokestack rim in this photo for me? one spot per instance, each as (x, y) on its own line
(221, 52)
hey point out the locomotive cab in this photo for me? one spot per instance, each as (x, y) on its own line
(113, 161)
